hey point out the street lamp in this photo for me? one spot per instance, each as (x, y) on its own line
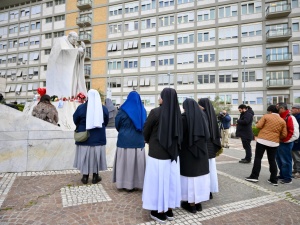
(169, 78)
(244, 60)
(108, 91)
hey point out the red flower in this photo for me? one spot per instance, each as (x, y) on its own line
(41, 91)
(81, 97)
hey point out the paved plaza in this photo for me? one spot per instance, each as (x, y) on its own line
(58, 197)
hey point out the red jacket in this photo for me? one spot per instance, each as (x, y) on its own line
(289, 125)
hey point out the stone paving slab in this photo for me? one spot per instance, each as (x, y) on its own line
(279, 213)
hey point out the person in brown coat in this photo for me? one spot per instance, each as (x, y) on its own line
(45, 110)
(272, 130)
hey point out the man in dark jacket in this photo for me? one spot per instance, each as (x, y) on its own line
(296, 148)
(244, 130)
(225, 120)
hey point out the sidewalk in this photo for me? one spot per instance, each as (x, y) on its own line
(58, 197)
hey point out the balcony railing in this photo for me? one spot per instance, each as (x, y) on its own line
(87, 72)
(84, 21)
(86, 38)
(84, 4)
(88, 55)
(282, 58)
(278, 10)
(279, 34)
(280, 83)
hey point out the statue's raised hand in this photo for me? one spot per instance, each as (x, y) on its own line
(82, 44)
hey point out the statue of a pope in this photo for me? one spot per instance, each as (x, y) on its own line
(65, 69)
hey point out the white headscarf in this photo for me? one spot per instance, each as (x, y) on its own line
(94, 113)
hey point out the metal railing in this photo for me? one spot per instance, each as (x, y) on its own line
(280, 82)
(84, 19)
(279, 32)
(83, 37)
(279, 57)
(278, 8)
(84, 2)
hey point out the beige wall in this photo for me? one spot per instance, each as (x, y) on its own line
(97, 2)
(71, 20)
(99, 84)
(99, 50)
(71, 5)
(100, 15)
(99, 32)
(98, 68)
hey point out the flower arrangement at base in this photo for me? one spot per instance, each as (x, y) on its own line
(54, 98)
(41, 91)
(81, 97)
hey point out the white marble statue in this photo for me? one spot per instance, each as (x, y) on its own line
(65, 69)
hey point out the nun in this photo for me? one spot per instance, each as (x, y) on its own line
(90, 156)
(112, 110)
(194, 166)
(130, 157)
(163, 133)
(213, 144)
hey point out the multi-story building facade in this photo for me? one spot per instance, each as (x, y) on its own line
(195, 46)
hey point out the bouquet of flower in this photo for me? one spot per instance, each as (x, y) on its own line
(81, 97)
(53, 98)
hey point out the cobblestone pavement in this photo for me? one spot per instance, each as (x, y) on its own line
(58, 197)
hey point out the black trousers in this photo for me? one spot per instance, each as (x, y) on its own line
(271, 153)
(247, 146)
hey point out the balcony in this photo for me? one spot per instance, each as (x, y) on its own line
(278, 10)
(280, 83)
(87, 55)
(279, 34)
(84, 21)
(86, 38)
(84, 4)
(87, 73)
(278, 59)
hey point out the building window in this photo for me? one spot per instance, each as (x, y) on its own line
(49, 20)
(227, 11)
(24, 27)
(166, 3)
(148, 23)
(147, 62)
(228, 54)
(132, 7)
(228, 32)
(87, 69)
(206, 56)
(186, 17)
(59, 34)
(184, 1)
(185, 58)
(114, 65)
(296, 49)
(45, 67)
(49, 4)
(47, 51)
(166, 40)
(48, 35)
(13, 29)
(295, 4)
(254, 52)
(165, 79)
(148, 5)
(35, 25)
(207, 35)
(185, 38)
(59, 18)
(248, 76)
(130, 63)
(206, 78)
(295, 26)
(165, 60)
(148, 42)
(115, 28)
(206, 14)
(185, 79)
(60, 2)
(225, 99)
(251, 8)
(115, 82)
(115, 10)
(166, 21)
(250, 30)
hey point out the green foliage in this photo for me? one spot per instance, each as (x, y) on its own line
(219, 105)
(20, 107)
(255, 131)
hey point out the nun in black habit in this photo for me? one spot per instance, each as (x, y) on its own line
(194, 166)
(163, 133)
(213, 144)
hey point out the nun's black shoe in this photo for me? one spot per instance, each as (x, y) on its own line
(85, 179)
(96, 178)
(159, 217)
(210, 196)
(188, 207)
(199, 207)
(170, 215)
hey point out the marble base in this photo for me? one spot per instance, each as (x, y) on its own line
(31, 144)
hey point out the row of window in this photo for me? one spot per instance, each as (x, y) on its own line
(21, 58)
(27, 11)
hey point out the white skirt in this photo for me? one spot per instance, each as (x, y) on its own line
(162, 188)
(195, 189)
(129, 168)
(90, 159)
(214, 186)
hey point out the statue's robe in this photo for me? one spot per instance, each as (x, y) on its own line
(65, 70)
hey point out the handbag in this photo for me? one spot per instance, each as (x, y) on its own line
(81, 136)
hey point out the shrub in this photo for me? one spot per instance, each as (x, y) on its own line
(255, 131)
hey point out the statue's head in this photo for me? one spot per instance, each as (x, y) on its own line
(73, 37)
